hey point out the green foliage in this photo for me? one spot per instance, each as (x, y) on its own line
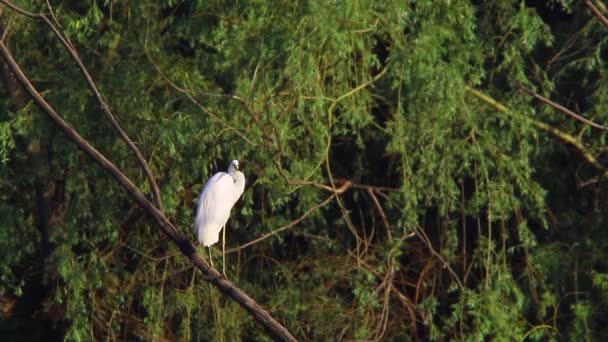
(465, 220)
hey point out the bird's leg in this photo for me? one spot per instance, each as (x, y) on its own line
(224, 251)
(211, 257)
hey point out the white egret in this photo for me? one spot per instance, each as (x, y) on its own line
(214, 205)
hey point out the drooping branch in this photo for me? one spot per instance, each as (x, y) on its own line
(186, 247)
(65, 41)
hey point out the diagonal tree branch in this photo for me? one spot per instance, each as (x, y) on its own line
(562, 108)
(186, 247)
(576, 117)
(65, 41)
(559, 134)
(596, 12)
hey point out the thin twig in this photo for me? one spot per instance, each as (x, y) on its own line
(343, 210)
(330, 111)
(133, 249)
(422, 234)
(373, 187)
(343, 188)
(418, 231)
(311, 183)
(191, 98)
(381, 212)
(55, 21)
(328, 188)
(358, 88)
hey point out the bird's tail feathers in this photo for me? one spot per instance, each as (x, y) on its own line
(207, 237)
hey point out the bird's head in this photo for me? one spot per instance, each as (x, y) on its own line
(234, 166)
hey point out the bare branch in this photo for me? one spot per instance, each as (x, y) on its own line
(562, 108)
(596, 12)
(340, 190)
(185, 246)
(72, 51)
(381, 211)
(559, 134)
(285, 227)
(420, 233)
(21, 10)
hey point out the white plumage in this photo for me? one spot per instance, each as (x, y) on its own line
(216, 201)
